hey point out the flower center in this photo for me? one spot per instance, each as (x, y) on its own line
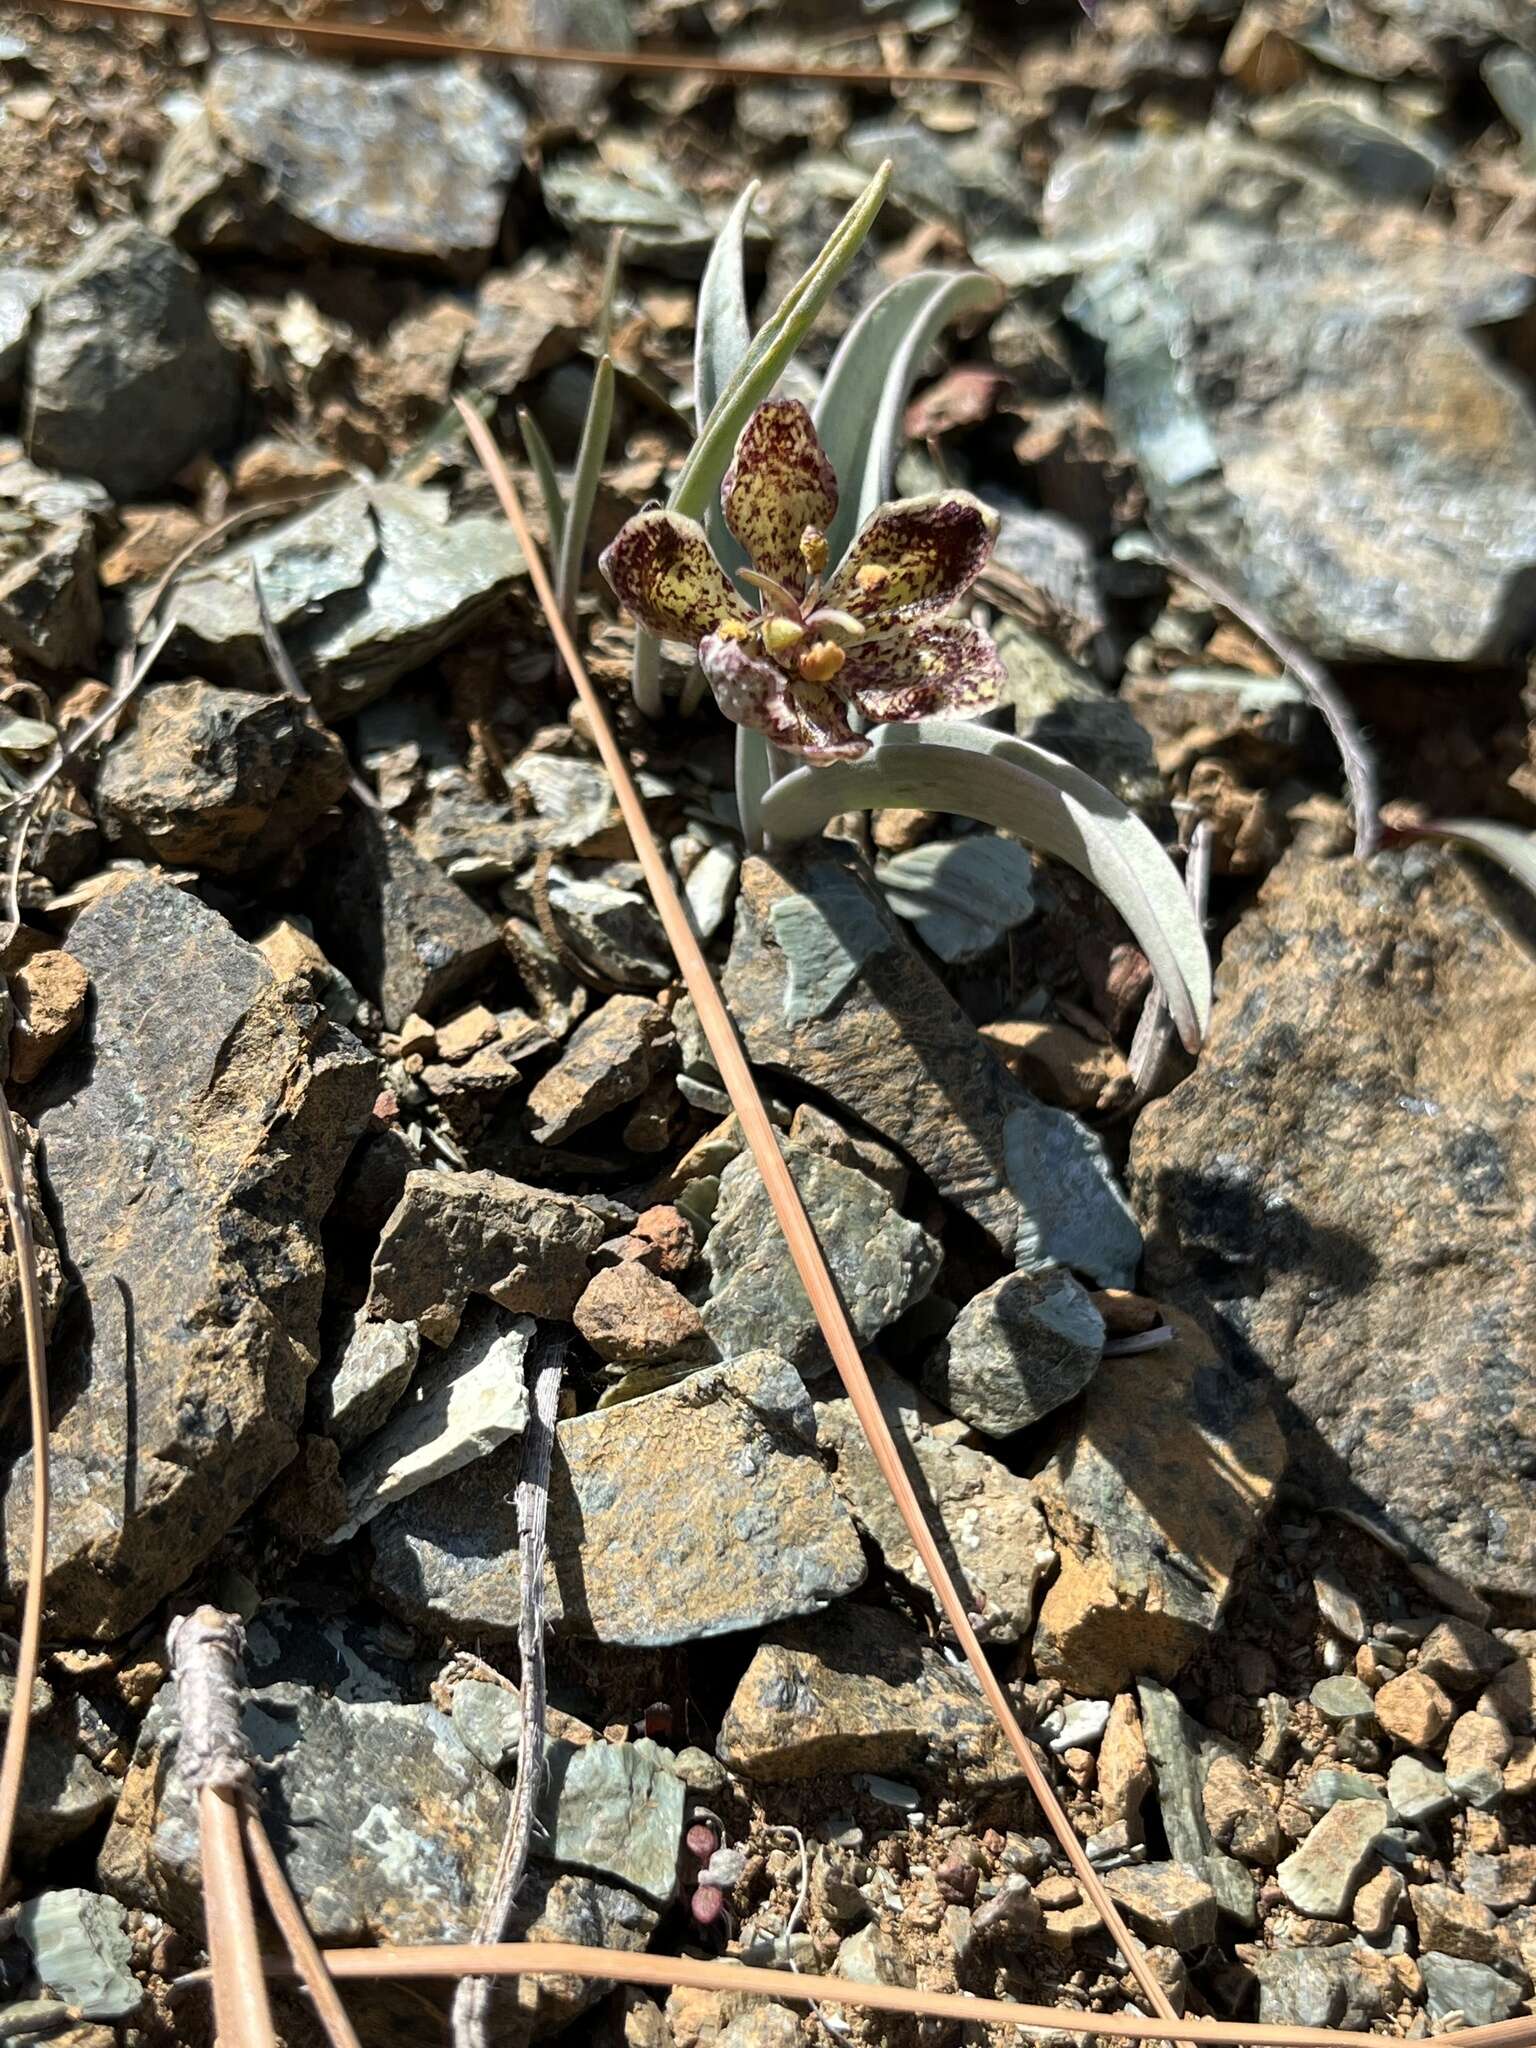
(820, 662)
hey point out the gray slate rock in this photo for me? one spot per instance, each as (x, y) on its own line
(81, 1951)
(222, 780)
(488, 1720)
(664, 226)
(1246, 370)
(388, 1830)
(1417, 1792)
(292, 157)
(50, 608)
(691, 1512)
(1058, 705)
(227, 1103)
(1320, 1877)
(405, 934)
(1480, 1993)
(352, 1395)
(615, 1812)
(1390, 1072)
(362, 587)
(828, 988)
(464, 1403)
(126, 380)
(21, 286)
(984, 1516)
(1359, 137)
(1018, 1350)
(882, 1262)
(1181, 1752)
(453, 1235)
(63, 1794)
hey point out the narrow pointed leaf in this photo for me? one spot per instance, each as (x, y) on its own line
(589, 467)
(859, 413)
(543, 466)
(723, 337)
(975, 772)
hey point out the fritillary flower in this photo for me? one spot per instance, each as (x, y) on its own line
(869, 639)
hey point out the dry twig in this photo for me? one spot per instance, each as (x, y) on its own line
(13, 1192)
(471, 2003)
(693, 1973)
(397, 42)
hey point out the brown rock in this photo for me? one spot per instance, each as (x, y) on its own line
(1361, 1129)
(49, 988)
(1238, 1815)
(1459, 1655)
(1414, 1710)
(1512, 1696)
(853, 1690)
(1153, 1504)
(611, 1059)
(631, 1316)
(1377, 1903)
(192, 1146)
(223, 780)
(457, 1234)
(1455, 1925)
(1125, 1775)
(1061, 1064)
(1166, 1903)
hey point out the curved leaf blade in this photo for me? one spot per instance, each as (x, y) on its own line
(974, 772)
(859, 411)
(1511, 846)
(721, 343)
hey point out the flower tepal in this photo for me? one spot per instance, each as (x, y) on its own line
(870, 639)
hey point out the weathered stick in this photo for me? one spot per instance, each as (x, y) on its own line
(205, 1648)
(471, 2004)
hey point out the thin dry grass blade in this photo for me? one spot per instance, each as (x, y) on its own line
(396, 42)
(13, 1765)
(799, 1233)
(564, 1959)
(288, 1916)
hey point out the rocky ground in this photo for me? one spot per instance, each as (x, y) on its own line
(1220, 1389)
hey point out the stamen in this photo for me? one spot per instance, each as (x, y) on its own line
(872, 578)
(820, 662)
(734, 629)
(813, 550)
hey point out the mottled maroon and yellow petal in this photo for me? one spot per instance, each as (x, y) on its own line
(803, 718)
(661, 566)
(914, 558)
(779, 483)
(937, 668)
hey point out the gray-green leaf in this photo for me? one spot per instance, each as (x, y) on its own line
(974, 772)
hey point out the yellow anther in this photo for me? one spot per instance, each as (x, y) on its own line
(820, 662)
(813, 549)
(734, 629)
(872, 578)
(780, 634)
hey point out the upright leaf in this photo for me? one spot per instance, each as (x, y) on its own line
(721, 342)
(977, 773)
(589, 467)
(859, 412)
(1510, 845)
